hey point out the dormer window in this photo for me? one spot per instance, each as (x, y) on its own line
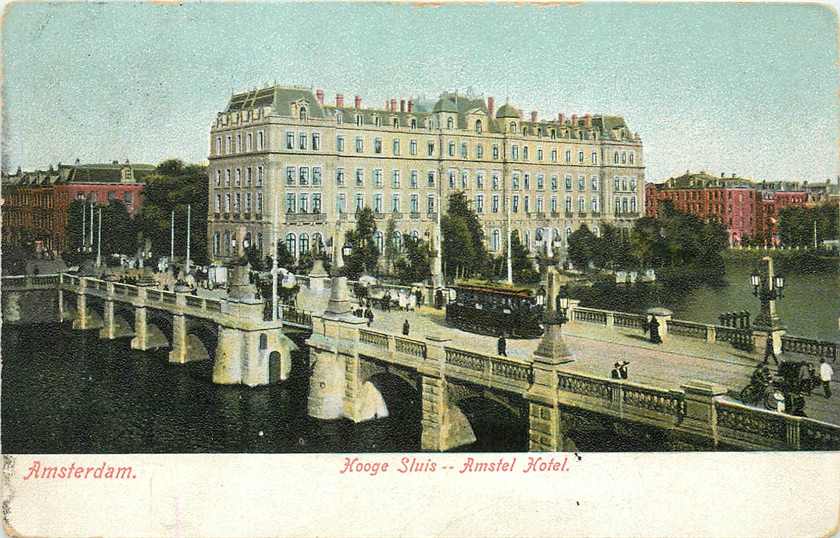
(553, 134)
(450, 123)
(358, 119)
(377, 121)
(478, 126)
(513, 126)
(396, 123)
(339, 118)
(302, 113)
(413, 123)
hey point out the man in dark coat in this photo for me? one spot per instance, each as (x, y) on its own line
(501, 346)
(653, 328)
(616, 371)
(405, 328)
(369, 315)
(622, 370)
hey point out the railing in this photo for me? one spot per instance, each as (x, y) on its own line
(298, 317)
(590, 315)
(154, 295)
(71, 279)
(213, 305)
(169, 297)
(193, 301)
(815, 435)
(661, 401)
(688, 329)
(305, 218)
(630, 321)
(30, 281)
(751, 421)
(511, 369)
(816, 348)
(374, 339)
(466, 359)
(739, 338)
(410, 347)
(585, 386)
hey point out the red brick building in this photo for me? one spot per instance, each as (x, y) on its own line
(35, 204)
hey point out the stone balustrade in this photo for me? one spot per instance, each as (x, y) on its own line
(816, 348)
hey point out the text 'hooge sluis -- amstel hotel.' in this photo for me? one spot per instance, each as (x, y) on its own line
(322, 162)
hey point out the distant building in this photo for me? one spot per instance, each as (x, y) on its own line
(283, 151)
(35, 204)
(749, 209)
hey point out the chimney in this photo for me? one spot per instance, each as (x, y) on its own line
(574, 120)
(319, 95)
(491, 109)
(561, 118)
(393, 105)
(533, 116)
(358, 102)
(587, 121)
(722, 174)
(339, 100)
(410, 105)
(402, 105)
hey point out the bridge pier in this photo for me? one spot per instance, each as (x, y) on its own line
(108, 326)
(433, 395)
(140, 329)
(180, 346)
(545, 424)
(334, 387)
(81, 321)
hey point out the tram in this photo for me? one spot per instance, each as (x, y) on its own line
(495, 311)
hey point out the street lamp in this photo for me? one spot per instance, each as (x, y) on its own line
(347, 249)
(768, 287)
(541, 296)
(552, 350)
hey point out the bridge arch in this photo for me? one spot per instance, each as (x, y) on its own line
(483, 419)
(123, 319)
(202, 340)
(159, 329)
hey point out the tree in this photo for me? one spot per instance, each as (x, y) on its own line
(459, 208)
(365, 256)
(582, 247)
(392, 247)
(458, 247)
(413, 266)
(646, 240)
(523, 268)
(119, 235)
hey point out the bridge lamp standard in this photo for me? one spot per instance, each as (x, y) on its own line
(769, 288)
(552, 349)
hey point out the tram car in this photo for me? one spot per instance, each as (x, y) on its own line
(495, 311)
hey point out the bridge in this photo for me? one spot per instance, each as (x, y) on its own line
(679, 392)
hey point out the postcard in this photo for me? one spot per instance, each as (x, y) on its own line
(365, 269)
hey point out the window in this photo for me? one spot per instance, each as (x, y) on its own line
(415, 203)
(623, 157)
(478, 126)
(594, 157)
(216, 243)
(395, 122)
(358, 119)
(395, 203)
(633, 185)
(377, 203)
(395, 179)
(259, 202)
(617, 183)
(238, 143)
(339, 118)
(527, 181)
(260, 141)
(495, 181)
(553, 154)
(512, 126)
(452, 149)
(237, 202)
(229, 144)
(430, 203)
(248, 142)
(496, 241)
(341, 203)
(377, 177)
(377, 145)
(259, 176)
(554, 204)
(303, 203)
(414, 179)
(632, 157)
(302, 114)
(218, 178)
(514, 152)
(360, 201)
(515, 181)
(618, 205)
(339, 177)
(580, 156)
(248, 198)
(248, 177)
(302, 139)
(515, 206)
(525, 152)
(316, 141)
(377, 121)
(430, 177)
(465, 179)
(568, 182)
(494, 207)
(291, 244)
(479, 180)
(227, 202)
(464, 150)
(413, 123)
(450, 123)
(360, 177)
(316, 175)
(615, 158)
(360, 144)
(316, 202)
(238, 177)
(596, 183)
(594, 204)
(540, 182)
(581, 183)
(218, 206)
(412, 147)
(568, 155)
(430, 149)
(554, 183)
(633, 204)
(227, 177)
(495, 151)
(479, 203)
(396, 147)
(451, 179)
(218, 149)
(581, 204)
(539, 154)
(379, 239)
(339, 144)
(568, 204)
(527, 203)
(539, 204)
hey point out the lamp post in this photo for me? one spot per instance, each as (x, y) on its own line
(768, 287)
(339, 306)
(552, 349)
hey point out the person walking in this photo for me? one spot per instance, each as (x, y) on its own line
(369, 315)
(501, 346)
(826, 373)
(419, 295)
(622, 370)
(616, 371)
(653, 328)
(405, 328)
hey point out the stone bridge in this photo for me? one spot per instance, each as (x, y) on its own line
(550, 404)
(243, 346)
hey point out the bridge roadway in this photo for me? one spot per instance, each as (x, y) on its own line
(596, 348)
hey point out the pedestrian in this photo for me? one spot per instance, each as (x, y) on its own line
(439, 299)
(653, 328)
(616, 371)
(826, 373)
(501, 346)
(622, 370)
(405, 328)
(769, 351)
(804, 378)
(369, 316)
(419, 295)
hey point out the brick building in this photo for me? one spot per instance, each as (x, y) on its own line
(36, 203)
(284, 151)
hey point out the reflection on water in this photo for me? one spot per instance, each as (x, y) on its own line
(66, 391)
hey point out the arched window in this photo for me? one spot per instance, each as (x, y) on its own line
(415, 234)
(397, 241)
(496, 240)
(291, 244)
(304, 244)
(450, 123)
(317, 243)
(396, 122)
(302, 113)
(247, 241)
(615, 158)
(478, 126)
(413, 123)
(513, 126)
(379, 240)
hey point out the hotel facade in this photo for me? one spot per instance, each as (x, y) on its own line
(280, 155)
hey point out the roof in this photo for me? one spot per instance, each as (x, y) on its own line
(507, 111)
(80, 173)
(445, 104)
(278, 98)
(497, 289)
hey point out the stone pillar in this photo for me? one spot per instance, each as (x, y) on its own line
(700, 421)
(81, 321)
(254, 361)
(180, 346)
(140, 330)
(333, 342)
(227, 366)
(352, 387)
(318, 276)
(544, 433)
(433, 394)
(108, 326)
(60, 304)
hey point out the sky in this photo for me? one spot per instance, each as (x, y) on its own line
(750, 89)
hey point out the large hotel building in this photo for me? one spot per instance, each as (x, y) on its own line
(283, 153)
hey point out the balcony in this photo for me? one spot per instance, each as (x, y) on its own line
(569, 214)
(378, 215)
(432, 215)
(581, 214)
(415, 215)
(396, 215)
(305, 218)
